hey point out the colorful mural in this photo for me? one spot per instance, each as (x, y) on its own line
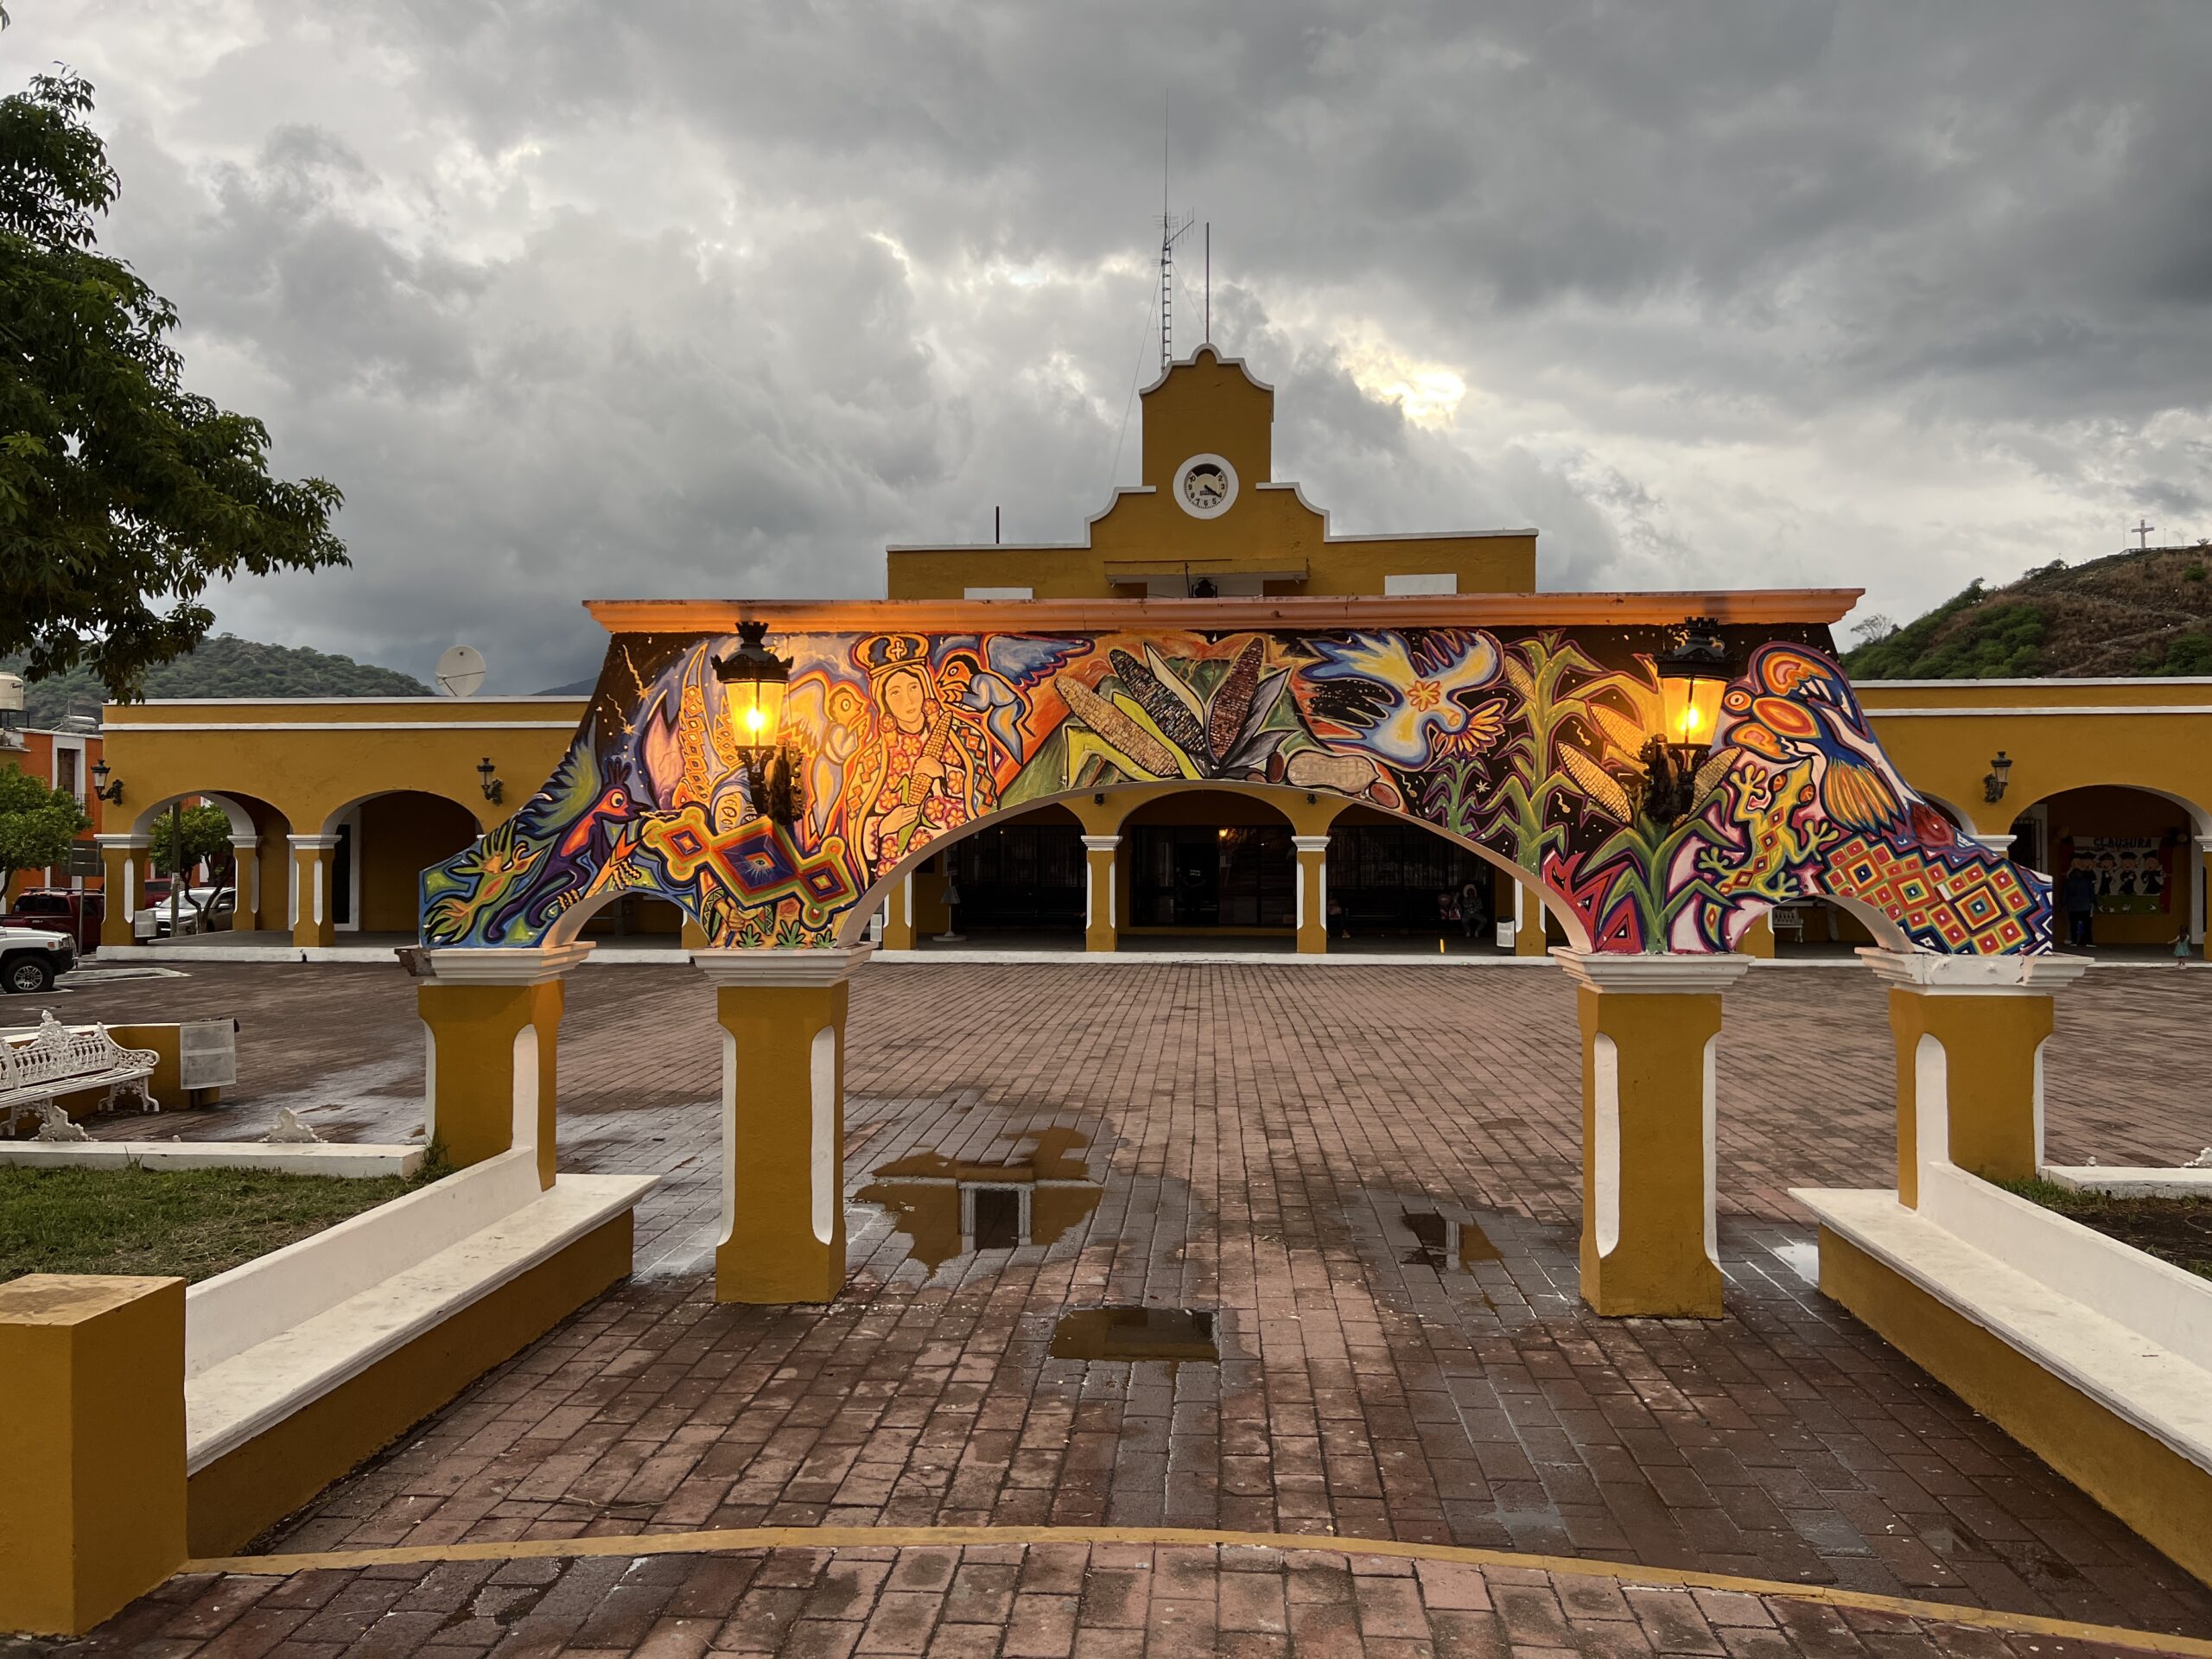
(1525, 742)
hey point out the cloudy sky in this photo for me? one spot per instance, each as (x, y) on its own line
(678, 297)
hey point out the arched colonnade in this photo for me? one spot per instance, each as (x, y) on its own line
(1515, 732)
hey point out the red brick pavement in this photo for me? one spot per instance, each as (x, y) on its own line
(1258, 1134)
(1044, 1601)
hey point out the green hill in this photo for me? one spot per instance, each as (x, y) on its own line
(225, 666)
(2146, 613)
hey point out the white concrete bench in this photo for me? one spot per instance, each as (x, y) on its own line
(269, 1339)
(2126, 1330)
(57, 1059)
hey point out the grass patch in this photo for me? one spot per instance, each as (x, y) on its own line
(191, 1223)
(2178, 1230)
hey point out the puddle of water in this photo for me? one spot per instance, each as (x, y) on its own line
(1801, 1257)
(1445, 1244)
(1130, 1333)
(950, 1207)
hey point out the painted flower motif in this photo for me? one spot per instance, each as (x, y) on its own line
(1399, 701)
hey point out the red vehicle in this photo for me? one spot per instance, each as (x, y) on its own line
(60, 910)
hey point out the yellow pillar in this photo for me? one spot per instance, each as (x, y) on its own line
(312, 916)
(1969, 1034)
(245, 882)
(692, 936)
(1100, 854)
(123, 865)
(91, 1447)
(1650, 1027)
(898, 915)
(1759, 938)
(1313, 895)
(1529, 922)
(493, 1018)
(2201, 900)
(783, 1020)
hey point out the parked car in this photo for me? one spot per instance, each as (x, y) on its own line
(60, 910)
(32, 958)
(199, 910)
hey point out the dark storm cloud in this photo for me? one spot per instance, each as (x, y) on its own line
(687, 298)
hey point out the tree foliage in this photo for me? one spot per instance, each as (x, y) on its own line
(207, 839)
(122, 495)
(37, 824)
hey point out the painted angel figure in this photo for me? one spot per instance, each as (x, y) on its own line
(926, 768)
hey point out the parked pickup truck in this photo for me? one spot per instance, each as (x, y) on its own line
(31, 959)
(60, 910)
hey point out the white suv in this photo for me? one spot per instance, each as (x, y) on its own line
(31, 959)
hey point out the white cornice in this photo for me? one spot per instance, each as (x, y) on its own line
(802, 968)
(1652, 975)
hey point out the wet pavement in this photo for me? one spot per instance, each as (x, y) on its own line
(1366, 1178)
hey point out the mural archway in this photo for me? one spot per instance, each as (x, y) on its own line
(1522, 741)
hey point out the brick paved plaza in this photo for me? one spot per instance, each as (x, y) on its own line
(1286, 1146)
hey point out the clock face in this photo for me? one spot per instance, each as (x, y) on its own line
(1205, 487)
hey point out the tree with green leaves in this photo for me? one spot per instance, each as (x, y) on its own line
(37, 824)
(122, 495)
(206, 840)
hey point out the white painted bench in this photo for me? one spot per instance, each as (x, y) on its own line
(267, 1338)
(56, 1061)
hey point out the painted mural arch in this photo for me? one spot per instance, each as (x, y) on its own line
(1517, 737)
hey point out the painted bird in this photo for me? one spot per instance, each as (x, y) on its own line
(1798, 704)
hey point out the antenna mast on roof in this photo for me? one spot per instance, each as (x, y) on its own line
(1170, 232)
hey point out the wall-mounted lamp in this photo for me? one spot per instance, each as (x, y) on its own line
(754, 682)
(2000, 774)
(103, 788)
(487, 775)
(1691, 678)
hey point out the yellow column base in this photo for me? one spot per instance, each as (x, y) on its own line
(783, 1017)
(1758, 939)
(1969, 1032)
(1100, 854)
(1528, 938)
(123, 867)
(495, 1020)
(692, 937)
(91, 1447)
(1313, 895)
(898, 915)
(1649, 1026)
(315, 923)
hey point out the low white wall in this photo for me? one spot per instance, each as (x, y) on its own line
(233, 1311)
(2173, 1307)
(358, 1160)
(2123, 1182)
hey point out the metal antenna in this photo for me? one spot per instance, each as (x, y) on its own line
(1209, 281)
(2142, 528)
(1170, 232)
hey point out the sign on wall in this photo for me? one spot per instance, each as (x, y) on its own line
(2134, 874)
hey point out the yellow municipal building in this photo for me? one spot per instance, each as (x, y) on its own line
(337, 805)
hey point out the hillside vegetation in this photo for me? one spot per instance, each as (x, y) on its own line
(2147, 613)
(225, 666)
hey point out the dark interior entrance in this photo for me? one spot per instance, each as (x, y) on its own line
(1387, 879)
(1027, 875)
(1203, 875)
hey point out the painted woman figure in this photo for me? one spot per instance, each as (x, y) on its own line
(926, 768)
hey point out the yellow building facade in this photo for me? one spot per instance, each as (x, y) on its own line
(338, 804)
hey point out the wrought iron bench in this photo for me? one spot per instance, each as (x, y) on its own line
(54, 1060)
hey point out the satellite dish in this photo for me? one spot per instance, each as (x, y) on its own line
(460, 672)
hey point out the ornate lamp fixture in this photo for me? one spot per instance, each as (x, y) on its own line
(2000, 774)
(111, 792)
(1691, 679)
(754, 680)
(487, 776)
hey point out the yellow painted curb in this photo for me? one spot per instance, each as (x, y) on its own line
(728, 1538)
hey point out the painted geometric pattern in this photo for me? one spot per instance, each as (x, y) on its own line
(1525, 743)
(1974, 909)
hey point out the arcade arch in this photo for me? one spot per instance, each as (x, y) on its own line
(2144, 849)
(1124, 826)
